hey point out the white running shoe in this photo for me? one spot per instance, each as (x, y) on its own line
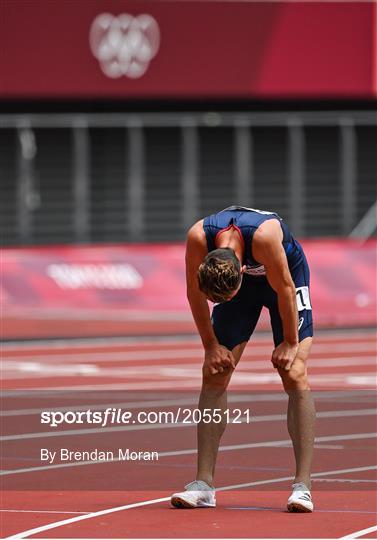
(301, 499)
(198, 494)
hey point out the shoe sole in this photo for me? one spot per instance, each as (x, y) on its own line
(177, 502)
(298, 508)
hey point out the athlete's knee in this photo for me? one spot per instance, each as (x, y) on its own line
(296, 378)
(215, 384)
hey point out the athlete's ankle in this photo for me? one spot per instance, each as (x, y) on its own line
(303, 480)
(205, 478)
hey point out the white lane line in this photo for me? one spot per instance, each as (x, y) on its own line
(173, 425)
(357, 534)
(271, 444)
(340, 396)
(349, 335)
(346, 480)
(122, 356)
(86, 314)
(111, 341)
(160, 354)
(36, 369)
(40, 370)
(314, 475)
(330, 511)
(49, 526)
(43, 511)
(329, 446)
(366, 380)
(285, 443)
(43, 528)
(357, 378)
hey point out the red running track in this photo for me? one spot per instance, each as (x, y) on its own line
(130, 498)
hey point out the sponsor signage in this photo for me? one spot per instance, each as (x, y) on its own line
(146, 49)
(141, 289)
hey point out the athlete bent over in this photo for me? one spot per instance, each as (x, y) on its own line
(243, 259)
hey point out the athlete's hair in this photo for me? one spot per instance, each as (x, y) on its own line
(219, 274)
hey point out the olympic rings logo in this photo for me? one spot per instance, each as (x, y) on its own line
(124, 45)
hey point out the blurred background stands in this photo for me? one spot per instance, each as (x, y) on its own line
(147, 177)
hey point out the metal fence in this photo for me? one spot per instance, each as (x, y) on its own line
(79, 178)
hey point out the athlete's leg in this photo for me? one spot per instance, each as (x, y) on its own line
(233, 323)
(301, 411)
(213, 396)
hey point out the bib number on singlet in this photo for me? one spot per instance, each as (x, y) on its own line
(303, 298)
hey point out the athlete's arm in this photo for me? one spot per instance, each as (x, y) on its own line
(217, 357)
(268, 250)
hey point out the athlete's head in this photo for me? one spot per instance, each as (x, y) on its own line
(220, 275)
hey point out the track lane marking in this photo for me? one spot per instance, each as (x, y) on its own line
(348, 335)
(31, 369)
(264, 508)
(346, 480)
(362, 532)
(351, 335)
(240, 379)
(285, 443)
(43, 511)
(159, 354)
(43, 528)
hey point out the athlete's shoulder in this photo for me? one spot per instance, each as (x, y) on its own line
(196, 245)
(268, 232)
(270, 226)
(196, 231)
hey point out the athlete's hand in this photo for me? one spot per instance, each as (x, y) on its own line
(283, 355)
(218, 359)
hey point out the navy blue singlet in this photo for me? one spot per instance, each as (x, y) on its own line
(247, 220)
(234, 321)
